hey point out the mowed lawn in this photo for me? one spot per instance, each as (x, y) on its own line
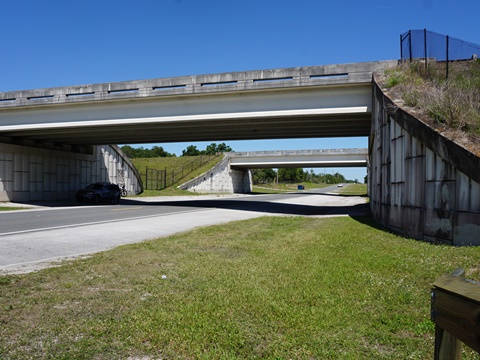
(267, 288)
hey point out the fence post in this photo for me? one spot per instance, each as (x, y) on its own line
(165, 179)
(410, 44)
(401, 47)
(425, 47)
(146, 177)
(447, 50)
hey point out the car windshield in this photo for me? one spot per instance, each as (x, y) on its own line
(94, 186)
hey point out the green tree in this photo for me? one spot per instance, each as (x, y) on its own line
(211, 149)
(191, 151)
(262, 176)
(223, 148)
(141, 152)
(158, 151)
(290, 175)
(128, 150)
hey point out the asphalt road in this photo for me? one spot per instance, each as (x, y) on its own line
(34, 238)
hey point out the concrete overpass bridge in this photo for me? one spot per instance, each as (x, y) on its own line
(299, 159)
(316, 101)
(52, 141)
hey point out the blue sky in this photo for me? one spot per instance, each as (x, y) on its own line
(56, 43)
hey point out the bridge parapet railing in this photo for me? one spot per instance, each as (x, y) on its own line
(352, 151)
(187, 85)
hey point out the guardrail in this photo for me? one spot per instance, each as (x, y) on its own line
(456, 313)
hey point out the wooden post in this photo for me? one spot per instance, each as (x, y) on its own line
(456, 313)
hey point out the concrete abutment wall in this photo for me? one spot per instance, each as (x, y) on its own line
(221, 179)
(421, 184)
(36, 174)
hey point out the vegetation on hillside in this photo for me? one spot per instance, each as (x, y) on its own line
(178, 170)
(451, 105)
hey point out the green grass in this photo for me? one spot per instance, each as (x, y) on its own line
(11, 208)
(353, 190)
(270, 288)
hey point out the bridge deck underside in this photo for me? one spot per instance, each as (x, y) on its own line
(205, 130)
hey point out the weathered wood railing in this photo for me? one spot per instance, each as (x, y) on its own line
(456, 314)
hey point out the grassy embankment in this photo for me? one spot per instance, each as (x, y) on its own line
(171, 163)
(452, 107)
(272, 287)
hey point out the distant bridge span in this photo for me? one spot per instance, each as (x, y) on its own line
(299, 159)
(303, 102)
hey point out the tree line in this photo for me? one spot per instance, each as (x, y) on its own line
(158, 151)
(292, 175)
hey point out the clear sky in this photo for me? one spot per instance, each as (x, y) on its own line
(57, 43)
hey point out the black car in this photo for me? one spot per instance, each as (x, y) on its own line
(99, 192)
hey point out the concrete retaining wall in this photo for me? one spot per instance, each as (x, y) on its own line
(421, 184)
(221, 179)
(37, 174)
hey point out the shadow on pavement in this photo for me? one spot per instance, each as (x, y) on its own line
(261, 206)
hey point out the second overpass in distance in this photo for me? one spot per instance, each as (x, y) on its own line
(299, 158)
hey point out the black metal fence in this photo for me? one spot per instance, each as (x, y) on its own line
(158, 179)
(423, 44)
